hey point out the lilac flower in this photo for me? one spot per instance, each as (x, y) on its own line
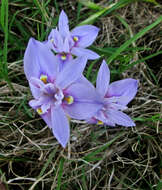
(58, 94)
(115, 98)
(66, 44)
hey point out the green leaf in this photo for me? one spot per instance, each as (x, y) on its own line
(133, 39)
(61, 164)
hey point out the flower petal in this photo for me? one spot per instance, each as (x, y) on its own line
(39, 60)
(47, 118)
(31, 64)
(86, 35)
(63, 24)
(78, 51)
(86, 101)
(66, 45)
(60, 125)
(126, 89)
(119, 118)
(103, 79)
(55, 40)
(71, 72)
(100, 116)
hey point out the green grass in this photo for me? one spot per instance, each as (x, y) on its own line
(97, 157)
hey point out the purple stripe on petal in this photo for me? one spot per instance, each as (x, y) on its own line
(60, 125)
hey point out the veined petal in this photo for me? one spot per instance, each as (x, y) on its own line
(60, 125)
(119, 118)
(78, 51)
(63, 24)
(126, 89)
(103, 79)
(71, 72)
(86, 35)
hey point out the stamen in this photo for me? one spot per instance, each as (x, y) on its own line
(69, 99)
(63, 57)
(52, 40)
(75, 38)
(99, 122)
(39, 111)
(43, 78)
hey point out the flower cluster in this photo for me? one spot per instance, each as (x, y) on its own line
(61, 91)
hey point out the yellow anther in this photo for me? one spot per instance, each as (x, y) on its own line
(69, 99)
(52, 40)
(63, 57)
(99, 122)
(39, 111)
(43, 78)
(69, 118)
(75, 38)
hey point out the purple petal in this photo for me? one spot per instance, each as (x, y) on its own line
(39, 60)
(102, 117)
(63, 24)
(55, 40)
(78, 51)
(31, 64)
(63, 63)
(35, 86)
(47, 118)
(84, 81)
(35, 91)
(126, 89)
(66, 45)
(119, 118)
(103, 79)
(34, 103)
(86, 101)
(60, 125)
(71, 72)
(86, 35)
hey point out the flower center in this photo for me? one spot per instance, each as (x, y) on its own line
(52, 40)
(99, 122)
(63, 57)
(75, 38)
(69, 99)
(43, 78)
(39, 111)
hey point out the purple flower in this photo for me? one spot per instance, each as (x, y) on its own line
(115, 98)
(66, 44)
(58, 94)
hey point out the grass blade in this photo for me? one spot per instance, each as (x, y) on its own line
(134, 38)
